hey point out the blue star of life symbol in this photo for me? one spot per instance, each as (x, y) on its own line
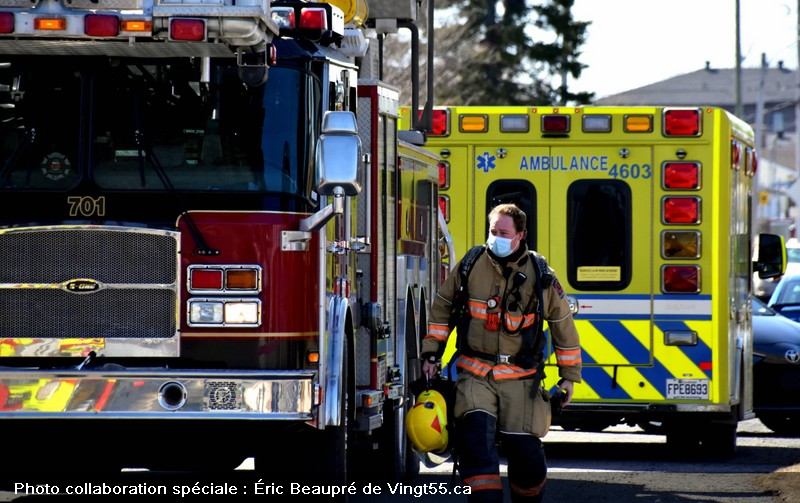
(486, 162)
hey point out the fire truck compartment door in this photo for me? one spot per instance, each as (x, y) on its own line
(602, 246)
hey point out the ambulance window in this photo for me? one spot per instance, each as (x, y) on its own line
(599, 235)
(519, 192)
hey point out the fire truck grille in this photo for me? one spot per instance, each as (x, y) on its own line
(104, 282)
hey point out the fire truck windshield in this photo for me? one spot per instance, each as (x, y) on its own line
(160, 125)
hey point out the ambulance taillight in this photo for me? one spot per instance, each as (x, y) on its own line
(441, 122)
(681, 175)
(681, 210)
(680, 279)
(444, 175)
(682, 122)
(444, 207)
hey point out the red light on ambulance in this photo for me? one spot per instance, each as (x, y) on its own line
(444, 175)
(444, 207)
(736, 154)
(192, 30)
(555, 124)
(682, 122)
(101, 25)
(681, 210)
(680, 279)
(682, 175)
(441, 122)
(6, 22)
(755, 164)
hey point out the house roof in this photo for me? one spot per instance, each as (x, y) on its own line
(714, 87)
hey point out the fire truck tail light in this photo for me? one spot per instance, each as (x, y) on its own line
(6, 22)
(682, 175)
(101, 25)
(682, 122)
(681, 210)
(515, 123)
(638, 123)
(755, 163)
(680, 279)
(473, 123)
(555, 124)
(138, 25)
(680, 244)
(284, 17)
(444, 207)
(313, 18)
(241, 279)
(193, 30)
(444, 175)
(596, 123)
(49, 24)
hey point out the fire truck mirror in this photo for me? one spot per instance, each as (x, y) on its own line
(338, 155)
(770, 256)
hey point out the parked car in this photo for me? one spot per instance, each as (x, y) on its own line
(763, 288)
(776, 370)
(786, 297)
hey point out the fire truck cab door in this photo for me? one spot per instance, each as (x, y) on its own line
(601, 246)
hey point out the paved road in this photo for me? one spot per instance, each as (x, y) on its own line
(619, 465)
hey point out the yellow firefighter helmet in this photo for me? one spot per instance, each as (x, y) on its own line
(426, 422)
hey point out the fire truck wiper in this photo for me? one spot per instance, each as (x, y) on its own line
(197, 236)
(13, 159)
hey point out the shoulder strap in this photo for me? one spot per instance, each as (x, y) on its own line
(533, 340)
(467, 262)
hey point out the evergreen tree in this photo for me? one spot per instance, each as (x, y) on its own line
(485, 53)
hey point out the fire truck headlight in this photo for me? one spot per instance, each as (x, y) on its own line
(241, 313)
(205, 312)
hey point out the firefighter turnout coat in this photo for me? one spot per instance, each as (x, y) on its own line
(498, 298)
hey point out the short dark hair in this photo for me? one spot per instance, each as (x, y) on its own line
(513, 211)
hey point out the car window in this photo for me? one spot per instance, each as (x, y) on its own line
(793, 254)
(790, 292)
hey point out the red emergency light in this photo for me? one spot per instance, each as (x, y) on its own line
(681, 210)
(555, 124)
(680, 279)
(444, 175)
(101, 25)
(191, 30)
(444, 207)
(736, 153)
(314, 18)
(6, 22)
(682, 175)
(682, 122)
(441, 122)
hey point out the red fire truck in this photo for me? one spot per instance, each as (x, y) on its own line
(211, 226)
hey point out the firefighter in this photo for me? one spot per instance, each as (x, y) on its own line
(498, 391)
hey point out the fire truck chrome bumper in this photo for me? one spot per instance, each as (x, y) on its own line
(158, 393)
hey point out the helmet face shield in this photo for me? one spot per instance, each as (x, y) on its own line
(426, 423)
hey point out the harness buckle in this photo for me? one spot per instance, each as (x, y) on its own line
(503, 359)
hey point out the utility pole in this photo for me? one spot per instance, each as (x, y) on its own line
(739, 108)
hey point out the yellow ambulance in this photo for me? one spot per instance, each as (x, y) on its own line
(645, 215)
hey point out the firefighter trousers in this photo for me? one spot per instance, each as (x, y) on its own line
(479, 461)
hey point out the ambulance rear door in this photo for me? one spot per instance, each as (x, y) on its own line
(601, 246)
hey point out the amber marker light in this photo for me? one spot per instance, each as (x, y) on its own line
(49, 24)
(137, 25)
(638, 123)
(312, 357)
(241, 279)
(473, 123)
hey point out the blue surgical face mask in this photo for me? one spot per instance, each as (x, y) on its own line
(501, 247)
